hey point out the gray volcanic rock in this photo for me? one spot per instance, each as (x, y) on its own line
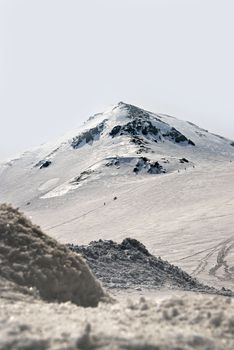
(130, 265)
(32, 259)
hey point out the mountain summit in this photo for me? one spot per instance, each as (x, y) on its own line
(123, 141)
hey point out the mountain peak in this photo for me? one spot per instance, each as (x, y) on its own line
(132, 109)
(121, 104)
(147, 142)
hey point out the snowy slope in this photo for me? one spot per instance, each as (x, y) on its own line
(173, 182)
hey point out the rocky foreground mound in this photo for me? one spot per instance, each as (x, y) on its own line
(32, 259)
(130, 265)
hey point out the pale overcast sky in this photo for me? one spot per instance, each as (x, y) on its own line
(63, 60)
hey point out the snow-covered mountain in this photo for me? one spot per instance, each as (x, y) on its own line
(123, 141)
(130, 172)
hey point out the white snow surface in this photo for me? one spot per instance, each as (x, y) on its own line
(184, 215)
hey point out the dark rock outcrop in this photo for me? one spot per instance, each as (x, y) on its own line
(177, 137)
(142, 125)
(83, 176)
(184, 160)
(43, 163)
(146, 165)
(88, 136)
(130, 265)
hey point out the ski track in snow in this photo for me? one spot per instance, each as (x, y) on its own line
(221, 252)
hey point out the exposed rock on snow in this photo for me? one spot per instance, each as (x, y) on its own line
(30, 258)
(139, 164)
(145, 125)
(144, 165)
(184, 160)
(115, 161)
(43, 164)
(88, 136)
(83, 176)
(142, 143)
(130, 265)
